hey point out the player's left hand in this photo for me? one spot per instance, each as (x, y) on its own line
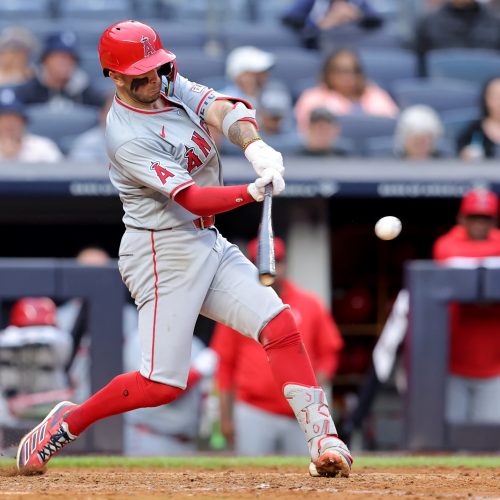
(269, 176)
(262, 157)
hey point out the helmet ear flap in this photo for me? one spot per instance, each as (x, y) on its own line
(166, 69)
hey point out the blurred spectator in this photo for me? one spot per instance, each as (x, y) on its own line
(59, 80)
(248, 68)
(474, 364)
(276, 123)
(16, 144)
(91, 145)
(311, 16)
(16, 46)
(344, 90)
(417, 133)
(262, 422)
(459, 23)
(321, 134)
(482, 137)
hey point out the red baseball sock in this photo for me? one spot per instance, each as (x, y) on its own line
(287, 356)
(124, 393)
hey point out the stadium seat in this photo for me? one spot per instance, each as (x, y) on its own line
(354, 37)
(198, 66)
(297, 64)
(266, 36)
(442, 94)
(102, 10)
(383, 147)
(14, 11)
(60, 124)
(385, 65)
(455, 121)
(360, 128)
(472, 65)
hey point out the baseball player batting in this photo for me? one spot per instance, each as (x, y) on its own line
(172, 258)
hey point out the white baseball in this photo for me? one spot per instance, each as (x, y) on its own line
(387, 228)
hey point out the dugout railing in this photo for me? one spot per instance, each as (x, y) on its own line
(432, 287)
(104, 294)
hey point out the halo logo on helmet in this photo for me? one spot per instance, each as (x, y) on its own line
(133, 48)
(148, 48)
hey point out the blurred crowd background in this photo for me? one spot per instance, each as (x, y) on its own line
(408, 79)
(330, 79)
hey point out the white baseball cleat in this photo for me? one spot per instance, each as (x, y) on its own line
(334, 458)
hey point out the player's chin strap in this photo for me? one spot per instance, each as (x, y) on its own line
(239, 113)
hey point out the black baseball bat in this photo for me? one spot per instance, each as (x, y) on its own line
(266, 263)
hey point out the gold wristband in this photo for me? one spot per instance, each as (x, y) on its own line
(249, 141)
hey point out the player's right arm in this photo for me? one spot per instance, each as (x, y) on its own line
(235, 118)
(144, 161)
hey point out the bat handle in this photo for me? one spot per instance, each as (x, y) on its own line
(268, 190)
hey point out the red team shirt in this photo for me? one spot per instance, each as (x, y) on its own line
(243, 363)
(475, 328)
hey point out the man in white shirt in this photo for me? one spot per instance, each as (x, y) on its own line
(16, 144)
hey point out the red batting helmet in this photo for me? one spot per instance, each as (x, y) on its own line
(33, 311)
(132, 48)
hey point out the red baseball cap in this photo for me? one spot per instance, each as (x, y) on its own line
(479, 202)
(279, 249)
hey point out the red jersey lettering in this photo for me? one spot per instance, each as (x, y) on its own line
(201, 143)
(193, 161)
(162, 173)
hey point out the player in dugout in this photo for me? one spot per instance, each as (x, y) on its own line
(473, 393)
(254, 414)
(172, 258)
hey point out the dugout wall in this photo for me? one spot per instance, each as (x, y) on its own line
(432, 287)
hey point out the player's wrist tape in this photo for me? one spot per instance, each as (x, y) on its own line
(239, 113)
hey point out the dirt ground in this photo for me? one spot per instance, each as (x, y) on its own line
(290, 482)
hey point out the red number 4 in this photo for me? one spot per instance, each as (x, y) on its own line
(162, 173)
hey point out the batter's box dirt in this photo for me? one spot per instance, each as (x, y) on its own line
(248, 482)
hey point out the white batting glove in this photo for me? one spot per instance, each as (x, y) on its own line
(270, 176)
(263, 156)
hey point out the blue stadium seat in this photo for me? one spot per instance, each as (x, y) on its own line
(89, 62)
(297, 64)
(354, 37)
(442, 94)
(472, 65)
(360, 128)
(383, 147)
(198, 66)
(267, 37)
(385, 65)
(102, 10)
(59, 124)
(457, 120)
(17, 10)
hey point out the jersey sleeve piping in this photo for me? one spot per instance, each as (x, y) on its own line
(180, 187)
(207, 93)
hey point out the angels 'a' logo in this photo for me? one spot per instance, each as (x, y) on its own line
(148, 47)
(162, 173)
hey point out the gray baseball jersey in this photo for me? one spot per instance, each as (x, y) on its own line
(155, 154)
(174, 270)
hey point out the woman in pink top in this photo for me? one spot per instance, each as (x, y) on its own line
(344, 90)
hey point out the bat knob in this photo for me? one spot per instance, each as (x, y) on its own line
(266, 279)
